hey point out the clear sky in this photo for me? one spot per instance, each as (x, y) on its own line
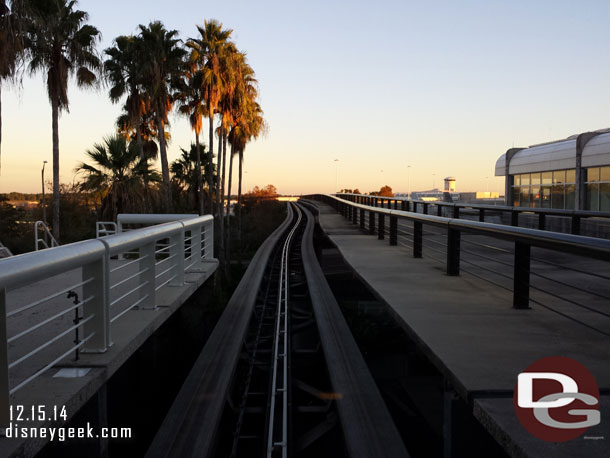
(442, 86)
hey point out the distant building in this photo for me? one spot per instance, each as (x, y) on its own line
(573, 173)
(450, 184)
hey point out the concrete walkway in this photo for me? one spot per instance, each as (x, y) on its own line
(469, 330)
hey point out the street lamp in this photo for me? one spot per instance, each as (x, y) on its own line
(44, 205)
(336, 175)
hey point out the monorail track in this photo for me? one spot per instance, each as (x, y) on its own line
(281, 374)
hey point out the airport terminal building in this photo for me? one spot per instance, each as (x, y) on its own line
(565, 174)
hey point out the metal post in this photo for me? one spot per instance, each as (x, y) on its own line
(362, 218)
(425, 208)
(371, 222)
(95, 310)
(208, 244)
(177, 261)
(196, 244)
(541, 221)
(453, 252)
(404, 206)
(147, 267)
(439, 210)
(456, 212)
(354, 215)
(514, 218)
(393, 230)
(482, 215)
(417, 239)
(381, 228)
(521, 276)
(4, 386)
(575, 225)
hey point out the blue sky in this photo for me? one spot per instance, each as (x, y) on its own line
(442, 86)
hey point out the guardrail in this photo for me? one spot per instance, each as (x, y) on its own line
(105, 289)
(453, 209)
(523, 238)
(47, 240)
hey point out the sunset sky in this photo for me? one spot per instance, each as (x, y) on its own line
(443, 86)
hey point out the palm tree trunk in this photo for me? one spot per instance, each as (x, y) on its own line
(228, 212)
(140, 143)
(211, 163)
(55, 125)
(223, 189)
(241, 162)
(199, 180)
(219, 195)
(167, 191)
(0, 125)
(218, 171)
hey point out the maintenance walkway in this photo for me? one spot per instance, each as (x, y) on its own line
(468, 328)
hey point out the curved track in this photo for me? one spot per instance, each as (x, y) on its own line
(281, 375)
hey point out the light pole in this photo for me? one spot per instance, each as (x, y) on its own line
(336, 175)
(44, 204)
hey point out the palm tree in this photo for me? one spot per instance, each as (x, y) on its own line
(118, 172)
(61, 44)
(162, 72)
(12, 43)
(192, 106)
(185, 173)
(205, 55)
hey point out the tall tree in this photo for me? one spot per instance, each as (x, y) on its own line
(13, 23)
(205, 55)
(61, 45)
(163, 67)
(193, 107)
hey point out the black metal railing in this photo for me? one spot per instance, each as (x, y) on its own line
(477, 247)
(457, 209)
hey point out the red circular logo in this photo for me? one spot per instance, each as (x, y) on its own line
(557, 399)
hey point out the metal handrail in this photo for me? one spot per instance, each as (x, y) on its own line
(47, 236)
(455, 207)
(524, 238)
(107, 295)
(104, 228)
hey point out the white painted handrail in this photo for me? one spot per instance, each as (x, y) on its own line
(47, 237)
(154, 257)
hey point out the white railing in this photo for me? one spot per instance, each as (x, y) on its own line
(47, 240)
(98, 281)
(104, 228)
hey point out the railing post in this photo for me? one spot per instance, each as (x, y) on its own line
(354, 215)
(425, 208)
(381, 228)
(371, 222)
(514, 218)
(453, 252)
(541, 221)
(456, 212)
(177, 249)
(95, 310)
(404, 206)
(208, 240)
(417, 239)
(575, 229)
(362, 218)
(4, 386)
(196, 244)
(521, 276)
(439, 210)
(147, 267)
(393, 230)
(482, 215)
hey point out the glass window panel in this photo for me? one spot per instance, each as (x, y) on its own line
(525, 196)
(516, 192)
(535, 197)
(571, 176)
(604, 174)
(545, 197)
(592, 200)
(559, 176)
(517, 180)
(525, 179)
(604, 197)
(557, 196)
(593, 174)
(547, 177)
(570, 196)
(535, 178)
